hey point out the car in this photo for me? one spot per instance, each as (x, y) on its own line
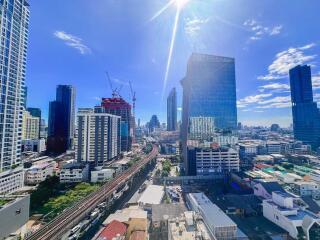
(75, 229)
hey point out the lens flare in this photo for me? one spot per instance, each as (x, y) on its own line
(180, 3)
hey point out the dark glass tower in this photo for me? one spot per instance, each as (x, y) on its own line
(305, 114)
(209, 90)
(172, 111)
(62, 120)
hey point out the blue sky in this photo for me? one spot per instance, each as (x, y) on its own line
(76, 41)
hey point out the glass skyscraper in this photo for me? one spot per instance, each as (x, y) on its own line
(209, 90)
(61, 125)
(305, 113)
(14, 23)
(172, 110)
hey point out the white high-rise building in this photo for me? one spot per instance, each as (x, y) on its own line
(98, 137)
(14, 23)
(30, 126)
(201, 128)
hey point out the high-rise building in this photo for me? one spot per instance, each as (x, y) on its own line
(43, 129)
(35, 112)
(98, 136)
(61, 125)
(14, 24)
(201, 128)
(118, 106)
(305, 114)
(172, 111)
(154, 123)
(209, 90)
(25, 96)
(30, 126)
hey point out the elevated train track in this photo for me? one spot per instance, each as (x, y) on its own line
(56, 228)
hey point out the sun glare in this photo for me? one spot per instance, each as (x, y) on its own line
(180, 3)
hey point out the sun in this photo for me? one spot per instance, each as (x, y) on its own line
(181, 3)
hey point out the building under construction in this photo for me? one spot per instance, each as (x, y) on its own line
(118, 106)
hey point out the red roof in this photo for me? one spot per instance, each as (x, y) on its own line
(112, 230)
(261, 165)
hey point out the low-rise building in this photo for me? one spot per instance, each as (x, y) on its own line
(74, 172)
(33, 145)
(306, 188)
(218, 223)
(184, 227)
(172, 210)
(282, 211)
(11, 180)
(152, 195)
(315, 175)
(39, 172)
(212, 160)
(264, 189)
(273, 147)
(114, 231)
(133, 217)
(102, 174)
(14, 213)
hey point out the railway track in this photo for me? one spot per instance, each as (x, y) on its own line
(73, 215)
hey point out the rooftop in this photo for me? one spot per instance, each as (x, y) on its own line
(126, 214)
(112, 230)
(152, 195)
(171, 210)
(214, 214)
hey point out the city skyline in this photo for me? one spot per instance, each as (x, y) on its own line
(119, 37)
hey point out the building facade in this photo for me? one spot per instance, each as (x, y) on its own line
(282, 211)
(205, 161)
(74, 172)
(35, 112)
(14, 24)
(14, 35)
(35, 145)
(98, 136)
(119, 107)
(305, 114)
(30, 126)
(201, 128)
(209, 90)
(172, 110)
(220, 226)
(61, 125)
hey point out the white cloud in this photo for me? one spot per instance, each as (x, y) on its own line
(276, 30)
(275, 87)
(276, 102)
(263, 101)
(316, 81)
(259, 31)
(244, 102)
(73, 41)
(286, 60)
(193, 26)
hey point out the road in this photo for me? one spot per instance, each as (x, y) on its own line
(71, 216)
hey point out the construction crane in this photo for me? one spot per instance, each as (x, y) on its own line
(133, 95)
(115, 91)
